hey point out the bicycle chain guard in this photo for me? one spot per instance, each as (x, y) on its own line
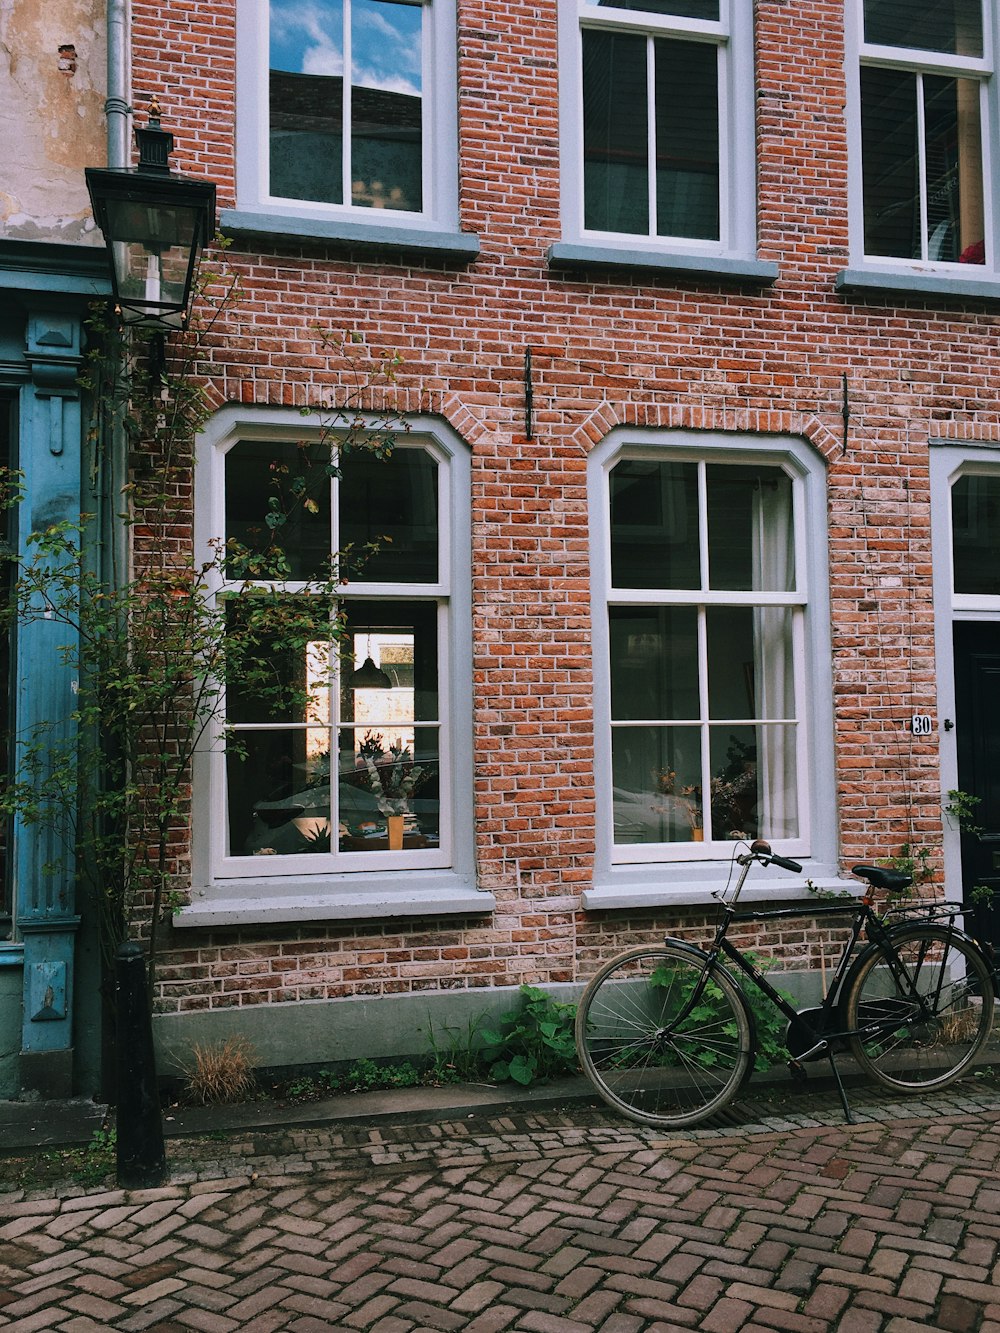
(799, 1038)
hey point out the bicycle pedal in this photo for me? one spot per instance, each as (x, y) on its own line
(798, 1072)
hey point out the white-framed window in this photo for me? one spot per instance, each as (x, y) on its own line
(923, 116)
(658, 124)
(348, 109)
(362, 772)
(713, 719)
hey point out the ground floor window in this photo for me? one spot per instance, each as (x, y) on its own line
(336, 752)
(704, 593)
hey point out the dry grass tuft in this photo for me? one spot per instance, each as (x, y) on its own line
(221, 1071)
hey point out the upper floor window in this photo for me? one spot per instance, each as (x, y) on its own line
(926, 101)
(347, 107)
(659, 123)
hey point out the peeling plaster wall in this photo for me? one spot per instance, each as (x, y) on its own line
(51, 117)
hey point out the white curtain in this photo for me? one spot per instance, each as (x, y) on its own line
(773, 571)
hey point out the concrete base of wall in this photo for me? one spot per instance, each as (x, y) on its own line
(317, 1032)
(395, 1027)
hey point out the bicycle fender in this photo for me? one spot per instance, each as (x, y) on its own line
(892, 933)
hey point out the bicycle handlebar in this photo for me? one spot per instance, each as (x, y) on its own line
(762, 850)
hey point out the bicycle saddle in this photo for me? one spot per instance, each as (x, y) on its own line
(881, 877)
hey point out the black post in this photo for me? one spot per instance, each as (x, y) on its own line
(141, 1157)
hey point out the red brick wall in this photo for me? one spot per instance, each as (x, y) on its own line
(647, 349)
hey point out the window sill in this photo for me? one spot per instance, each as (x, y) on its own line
(683, 885)
(569, 256)
(851, 280)
(240, 902)
(379, 239)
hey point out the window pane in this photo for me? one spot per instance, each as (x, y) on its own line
(952, 26)
(389, 691)
(687, 9)
(750, 671)
(389, 667)
(278, 505)
(654, 525)
(615, 133)
(953, 188)
(687, 139)
(975, 526)
(955, 225)
(890, 163)
(306, 100)
(734, 792)
(392, 503)
(654, 662)
(750, 537)
(754, 783)
(279, 792)
(386, 105)
(279, 659)
(383, 775)
(657, 784)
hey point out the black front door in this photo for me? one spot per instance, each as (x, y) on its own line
(977, 721)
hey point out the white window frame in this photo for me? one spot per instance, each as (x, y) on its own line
(680, 873)
(918, 61)
(230, 890)
(732, 35)
(948, 463)
(439, 137)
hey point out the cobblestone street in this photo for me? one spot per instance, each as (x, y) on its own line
(555, 1223)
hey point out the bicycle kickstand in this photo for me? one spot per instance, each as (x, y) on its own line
(840, 1087)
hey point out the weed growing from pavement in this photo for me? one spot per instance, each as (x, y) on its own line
(89, 1166)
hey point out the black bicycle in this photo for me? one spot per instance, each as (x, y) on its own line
(666, 1034)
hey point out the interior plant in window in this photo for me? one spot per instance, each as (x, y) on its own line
(394, 777)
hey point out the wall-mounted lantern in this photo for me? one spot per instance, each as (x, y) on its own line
(155, 222)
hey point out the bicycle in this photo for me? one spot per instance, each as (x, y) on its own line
(667, 1036)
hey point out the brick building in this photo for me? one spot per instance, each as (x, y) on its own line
(695, 521)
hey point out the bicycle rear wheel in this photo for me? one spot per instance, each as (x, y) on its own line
(652, 1054)
(911, 1046)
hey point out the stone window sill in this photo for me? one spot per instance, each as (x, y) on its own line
(852, 280)
(375, 239)
(687, 886)
(568, 256)
(241, 902)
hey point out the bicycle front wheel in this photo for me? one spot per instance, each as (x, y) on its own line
(921, 1025)
(653, 1054)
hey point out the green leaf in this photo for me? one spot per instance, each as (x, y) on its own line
(522, 1069)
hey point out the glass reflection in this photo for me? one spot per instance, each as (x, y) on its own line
(654, 525)
(975, 526)
(751, 539)
(287, 741)
(657, 785)
(654, 662)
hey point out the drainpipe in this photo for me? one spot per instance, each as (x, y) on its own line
(112, 538)
(116, 107)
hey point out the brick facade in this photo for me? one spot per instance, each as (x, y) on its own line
(641, 349)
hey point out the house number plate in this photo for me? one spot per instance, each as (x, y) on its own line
(921, 724)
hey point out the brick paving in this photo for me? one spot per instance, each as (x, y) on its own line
(560, 1222)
